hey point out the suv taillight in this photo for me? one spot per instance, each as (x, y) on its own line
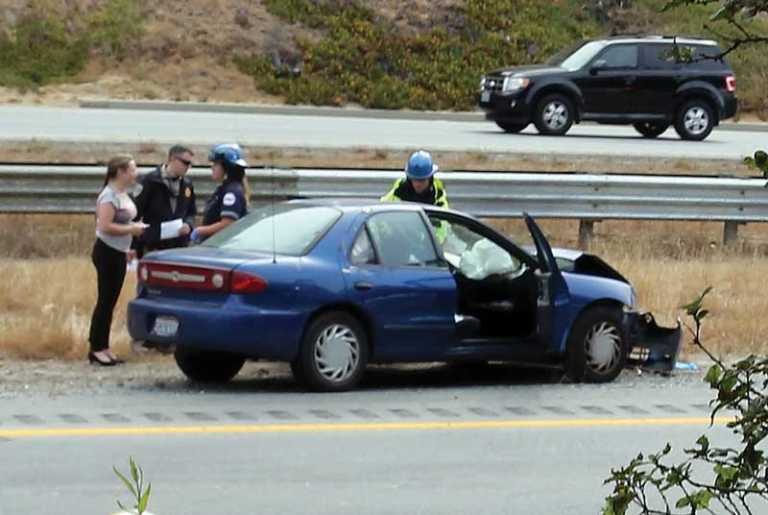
(730, 84)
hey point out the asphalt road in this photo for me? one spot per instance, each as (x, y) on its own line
(100, 125)
(424, 442)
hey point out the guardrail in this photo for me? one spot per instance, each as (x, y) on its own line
(586, 197)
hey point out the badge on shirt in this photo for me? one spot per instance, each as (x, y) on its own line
(188, 192)
(229, 199)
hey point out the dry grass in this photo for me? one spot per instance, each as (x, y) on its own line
(59, 152)
(45, 303)
(45, 308)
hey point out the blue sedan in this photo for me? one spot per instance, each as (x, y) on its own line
(331, 286)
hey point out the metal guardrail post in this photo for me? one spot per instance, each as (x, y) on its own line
(731, 232)
(586, 233)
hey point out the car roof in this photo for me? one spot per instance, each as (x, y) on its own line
(682, 40)
(357, 204)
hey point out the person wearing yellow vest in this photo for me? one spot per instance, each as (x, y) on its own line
(419, 184)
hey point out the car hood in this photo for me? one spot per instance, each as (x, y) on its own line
(533, 70)
(582, 263)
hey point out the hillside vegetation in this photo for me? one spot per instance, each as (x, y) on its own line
(416, 54)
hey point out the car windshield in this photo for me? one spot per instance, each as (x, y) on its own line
(283, 229)
(575, 57)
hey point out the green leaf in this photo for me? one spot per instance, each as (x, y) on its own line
(683, 502)
(144, 499)
(134, 470)
(713, 374)
(701, 499)
(125, 481)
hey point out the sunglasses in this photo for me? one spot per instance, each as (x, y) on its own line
(185, 162)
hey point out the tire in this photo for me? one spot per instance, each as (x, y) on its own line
(512, 128)
(554, 115)
(694, 120)
(651, 129)
(597, 347)
(333, 353)
(208, 366)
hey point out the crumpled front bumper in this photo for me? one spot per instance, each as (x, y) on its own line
(653, 347)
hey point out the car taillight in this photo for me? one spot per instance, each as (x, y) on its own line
(185, 277)
(730, 84)
(247, 283)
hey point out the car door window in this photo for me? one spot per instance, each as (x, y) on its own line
(402, 239)
(618, 56)
(362, 252)
(475, 255)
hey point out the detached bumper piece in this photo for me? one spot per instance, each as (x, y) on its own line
(653, 348)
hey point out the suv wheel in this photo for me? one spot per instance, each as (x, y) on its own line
(651, 129)
(554, 115)
(694, 120)
(511, 127)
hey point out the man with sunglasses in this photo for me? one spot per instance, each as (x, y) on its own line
(165, 199)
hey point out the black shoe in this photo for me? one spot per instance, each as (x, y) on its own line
(95, 360)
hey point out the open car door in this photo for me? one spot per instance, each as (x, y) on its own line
(553, 293)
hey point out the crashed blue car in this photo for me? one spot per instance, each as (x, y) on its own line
(330, 286)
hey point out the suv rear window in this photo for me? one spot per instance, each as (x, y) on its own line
(662, 56)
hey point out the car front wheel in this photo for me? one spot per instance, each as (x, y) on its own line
(333, 353)
(510, 127)
(695, 120)
(651, 129)
(597, 346)
(554, 115)
(208, 366)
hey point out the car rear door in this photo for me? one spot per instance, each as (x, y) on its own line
(657, 80)
(608, 82)
(554, 297)
(396, 275)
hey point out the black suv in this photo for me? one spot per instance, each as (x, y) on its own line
(651, 82)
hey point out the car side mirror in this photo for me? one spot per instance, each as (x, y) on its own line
(598, 65)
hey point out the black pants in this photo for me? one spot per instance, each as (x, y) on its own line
(110, 271)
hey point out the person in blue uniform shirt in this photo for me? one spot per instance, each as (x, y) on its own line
(229, 201)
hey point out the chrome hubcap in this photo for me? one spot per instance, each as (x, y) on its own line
(603, 347)
(337, 353)
(696, 120)
(555, 115)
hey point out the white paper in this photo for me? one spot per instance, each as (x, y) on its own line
(170, 229)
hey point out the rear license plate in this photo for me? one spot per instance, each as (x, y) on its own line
(165, 327)
(485, 96)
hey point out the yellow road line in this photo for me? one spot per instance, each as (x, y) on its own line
(357, 427)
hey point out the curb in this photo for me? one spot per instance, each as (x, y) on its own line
(280, 110)
(330, 112)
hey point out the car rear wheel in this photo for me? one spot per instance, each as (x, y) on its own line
(651, 129)
(333, 354)
(597, 346)
(511, 127)
(208, 366)
(695, 120)
(554, 115)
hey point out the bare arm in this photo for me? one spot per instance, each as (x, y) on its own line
(210, 230)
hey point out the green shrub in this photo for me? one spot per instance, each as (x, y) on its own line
(366, 60)
(115, 26)
(42, 49)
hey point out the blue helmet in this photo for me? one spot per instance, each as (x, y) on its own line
(228, 153)
(420, 166)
